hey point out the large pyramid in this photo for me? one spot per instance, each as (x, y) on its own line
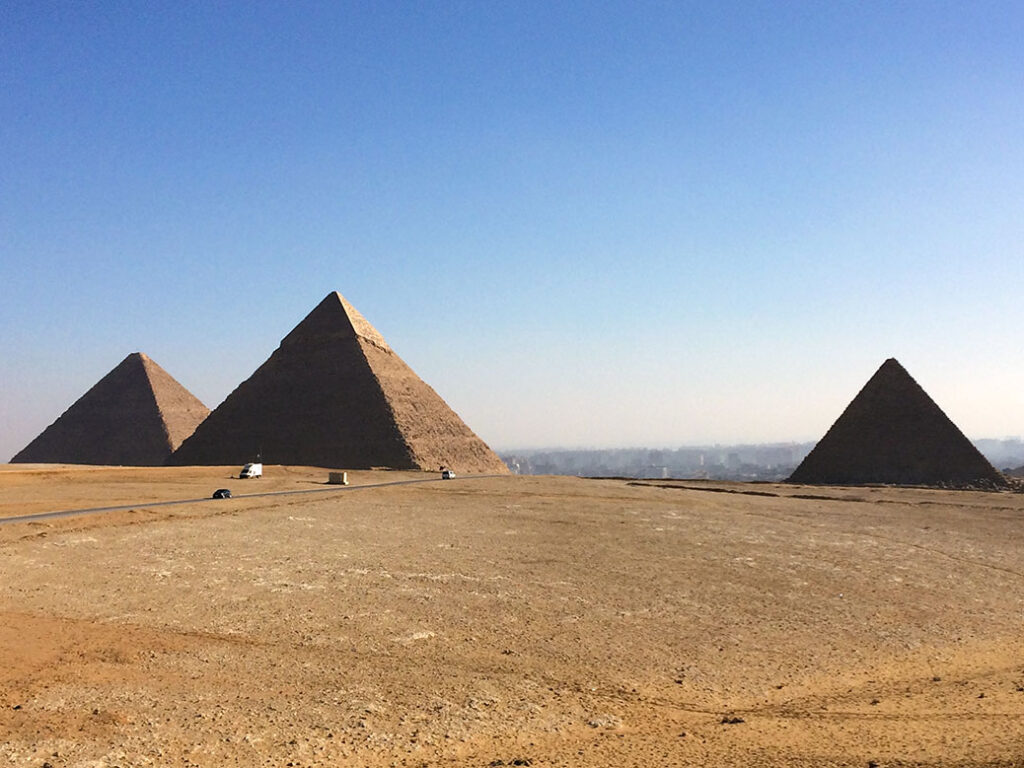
(136, 415)
(894, 433)
(334, 394)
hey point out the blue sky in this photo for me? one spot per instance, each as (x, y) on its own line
(584, 224)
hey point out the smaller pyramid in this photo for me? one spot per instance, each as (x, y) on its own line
(136, 415)
(894, 433)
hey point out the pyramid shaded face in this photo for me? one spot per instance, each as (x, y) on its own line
(136, 415)
(334, 394)
(894, 433)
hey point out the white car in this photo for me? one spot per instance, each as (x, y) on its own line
(251, 470)
(447, 474)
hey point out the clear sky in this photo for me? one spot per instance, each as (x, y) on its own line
(603, 223)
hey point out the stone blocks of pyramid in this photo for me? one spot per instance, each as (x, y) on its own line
(894, 433)
(136, 415)
(334, 394)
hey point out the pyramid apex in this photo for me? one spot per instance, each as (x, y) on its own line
(892, 367)
(140, 360)
(134, 361)
(333, 318)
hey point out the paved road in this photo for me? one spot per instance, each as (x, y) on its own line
(94, 510)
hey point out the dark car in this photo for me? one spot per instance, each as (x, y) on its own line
(222, 493)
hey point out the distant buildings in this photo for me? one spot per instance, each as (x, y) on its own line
(721, 462)
(766, 462)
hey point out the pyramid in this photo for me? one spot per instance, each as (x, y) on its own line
(894, 433)
(136, 415)
(334, 394)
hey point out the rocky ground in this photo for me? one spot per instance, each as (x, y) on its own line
(507, 621)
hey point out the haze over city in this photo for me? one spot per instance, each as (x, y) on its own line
(615, 224)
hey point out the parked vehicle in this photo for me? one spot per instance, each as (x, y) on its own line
(447, 474)
(222, 493)
(251, 470)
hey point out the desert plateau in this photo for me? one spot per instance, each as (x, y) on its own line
(502, 621)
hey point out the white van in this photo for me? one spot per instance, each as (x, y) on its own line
(251, 470)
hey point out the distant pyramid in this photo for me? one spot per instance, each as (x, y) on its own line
(334, 394)
(136, 415)
(894, 433)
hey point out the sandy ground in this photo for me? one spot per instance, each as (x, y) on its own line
(508, 621)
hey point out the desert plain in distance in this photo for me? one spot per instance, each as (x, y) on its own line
(506, 621)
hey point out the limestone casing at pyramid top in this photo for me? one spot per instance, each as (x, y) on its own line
(332, 318)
